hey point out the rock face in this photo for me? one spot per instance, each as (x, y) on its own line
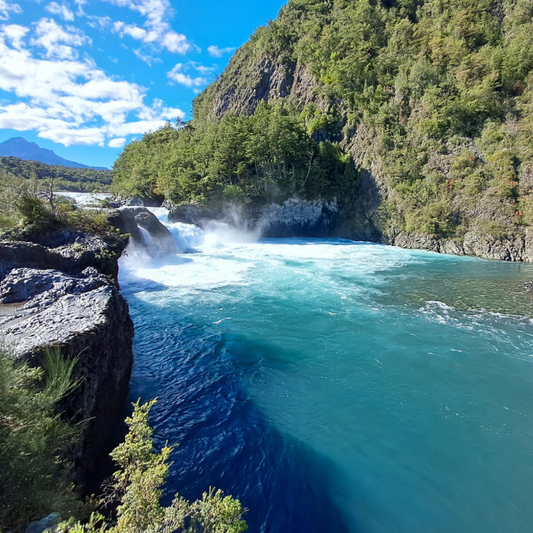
(144, 228)
(267, 79)
(298, 218)
(49, 523)
(293, 218)
(51, 297)
(64, 250)
(120, 201)
(42, 287)
(518, 248)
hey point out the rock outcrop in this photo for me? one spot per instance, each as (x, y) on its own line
(293, 218)
(67, 297)
(516, 248)
(144, 228)
(297, 218)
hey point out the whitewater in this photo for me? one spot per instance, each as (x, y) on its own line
(337, 386)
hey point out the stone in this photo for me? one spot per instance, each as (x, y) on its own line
(145, 229)
(297, 218)
(49, 523)
(95, 328)
(24, 284)
(67, 297)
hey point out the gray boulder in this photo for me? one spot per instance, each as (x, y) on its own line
(49, 523)
(87, 320)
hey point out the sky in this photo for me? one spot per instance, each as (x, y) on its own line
(86, 77)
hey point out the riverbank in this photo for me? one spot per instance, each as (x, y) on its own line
(62, 291)
(332, 219)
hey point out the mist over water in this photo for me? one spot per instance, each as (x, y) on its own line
(337, 386)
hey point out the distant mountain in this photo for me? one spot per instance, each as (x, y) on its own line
(29, 151)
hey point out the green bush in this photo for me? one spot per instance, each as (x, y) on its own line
(34, 479)
(137, 489)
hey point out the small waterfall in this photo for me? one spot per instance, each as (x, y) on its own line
(215, 234)
(156, 242)
(148, 241)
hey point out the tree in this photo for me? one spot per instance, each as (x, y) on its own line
(137, 488)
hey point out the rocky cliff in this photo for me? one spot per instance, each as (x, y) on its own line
(423, 97)
(62, 292)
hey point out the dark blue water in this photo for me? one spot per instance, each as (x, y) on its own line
(334, 386)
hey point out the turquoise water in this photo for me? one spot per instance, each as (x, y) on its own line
(339, 386)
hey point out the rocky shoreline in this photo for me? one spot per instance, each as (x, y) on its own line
(326, 218)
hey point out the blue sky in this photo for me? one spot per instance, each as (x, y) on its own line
(84, 77)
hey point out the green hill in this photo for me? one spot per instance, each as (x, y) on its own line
(64, 178)
(416, 114)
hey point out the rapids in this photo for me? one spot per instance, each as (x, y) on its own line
(338, 386)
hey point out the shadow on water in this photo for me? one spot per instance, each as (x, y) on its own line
(224, 439)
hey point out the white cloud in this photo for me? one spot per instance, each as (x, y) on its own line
(117, 143)
(215, 51)
(68, 136)
(159, 111)
(178, 75)
(14, 34)
(62, 10)
(56, 40)
(148, 59)
(71, 101)
(175, 42)
(80, 4)
(157, 31)
(101, 23)
(135, 128)
(7, 7)
(202, 68)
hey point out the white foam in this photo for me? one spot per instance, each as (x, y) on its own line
(85, 198)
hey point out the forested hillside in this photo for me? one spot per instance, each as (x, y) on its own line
(416, 114)
(63, 178)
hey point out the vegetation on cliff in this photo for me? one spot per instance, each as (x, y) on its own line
(264, 156)
(63, 178)
(33, 479)
(137, 488)
(434, 98)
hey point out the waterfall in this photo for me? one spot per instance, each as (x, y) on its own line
(215, 234)
(156, 241)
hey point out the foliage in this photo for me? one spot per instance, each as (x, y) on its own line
(137, 487)
(34, 480)
(247, 159)
(64, 178)
(410, 86)
(26, 205)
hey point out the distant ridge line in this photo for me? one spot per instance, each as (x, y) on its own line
(30, 151)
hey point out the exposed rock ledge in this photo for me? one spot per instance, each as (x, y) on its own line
(322, 218)
(513, 248)
(63, 300)
(297, 218)
(293, 218)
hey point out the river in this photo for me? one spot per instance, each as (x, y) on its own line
(339, 386)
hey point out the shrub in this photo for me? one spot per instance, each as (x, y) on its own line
(34, 480)
(137, 488)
